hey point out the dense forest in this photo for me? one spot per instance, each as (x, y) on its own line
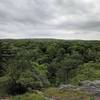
(33, 64)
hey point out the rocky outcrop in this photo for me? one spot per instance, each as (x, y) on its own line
(92, 87)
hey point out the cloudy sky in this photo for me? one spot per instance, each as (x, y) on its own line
(62, 19)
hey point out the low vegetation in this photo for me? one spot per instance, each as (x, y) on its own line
(54, 94)
(28, 96)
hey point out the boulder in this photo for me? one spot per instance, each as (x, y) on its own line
(85, 83)
(92, 87)
(67, 87)
(96, 83)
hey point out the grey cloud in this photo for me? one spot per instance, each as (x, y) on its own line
(68, 19)
(93, 25)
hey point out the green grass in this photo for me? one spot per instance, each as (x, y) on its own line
(67, 95)
(28, 96)
(54, 93)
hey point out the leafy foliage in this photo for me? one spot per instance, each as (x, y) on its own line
(88, 71)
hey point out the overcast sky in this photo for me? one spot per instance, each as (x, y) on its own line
(62, 19)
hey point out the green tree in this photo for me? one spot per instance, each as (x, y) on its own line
(68, 68)
(87, 71)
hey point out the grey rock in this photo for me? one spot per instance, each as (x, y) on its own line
(67, 87)
(85, 83)
(92, 87)
(96, 83)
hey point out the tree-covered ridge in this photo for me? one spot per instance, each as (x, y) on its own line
(38, 63)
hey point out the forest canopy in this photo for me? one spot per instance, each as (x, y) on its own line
(39, 63)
